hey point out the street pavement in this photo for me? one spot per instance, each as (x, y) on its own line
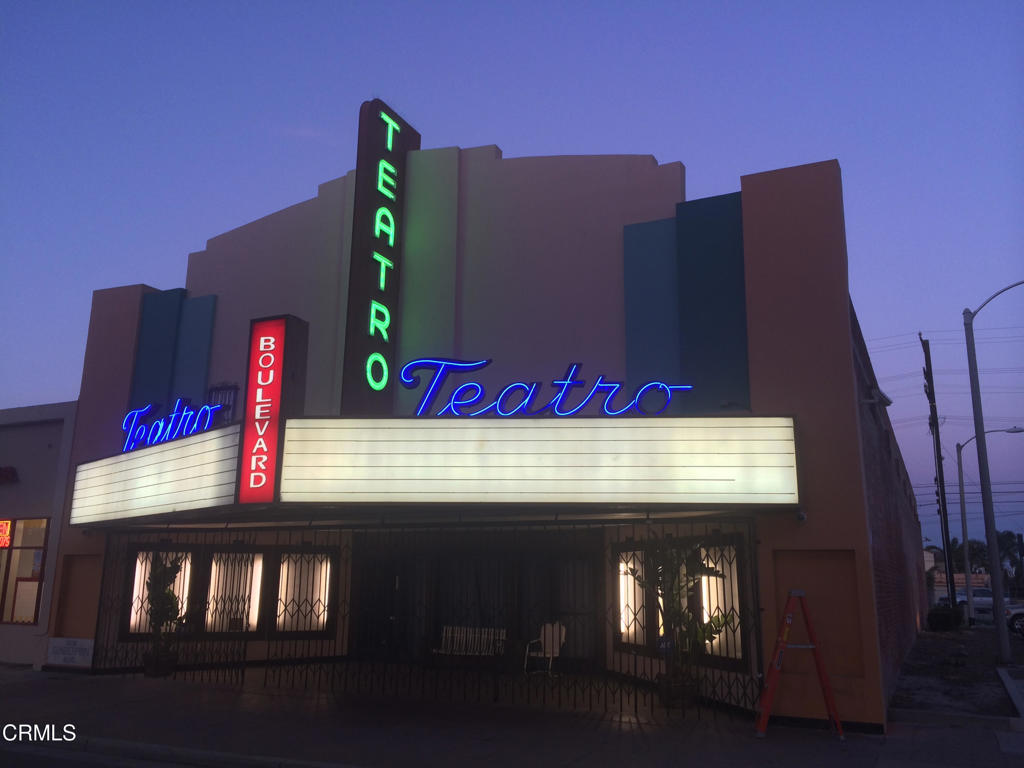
(134, 721)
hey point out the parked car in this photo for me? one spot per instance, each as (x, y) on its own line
(981, 600)
(981, 597)
(961, 598)
(1015, 618)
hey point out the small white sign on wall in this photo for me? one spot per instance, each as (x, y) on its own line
(69, 652)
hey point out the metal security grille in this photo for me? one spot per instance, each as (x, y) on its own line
(551, 615)
(303, 592)
(139, 620)
(224, 395)
(234, 594)
(720, 597)
(687, 614)
(232, 590)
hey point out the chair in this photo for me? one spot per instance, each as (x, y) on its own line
(547, 646)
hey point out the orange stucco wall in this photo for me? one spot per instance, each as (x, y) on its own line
(801, 363)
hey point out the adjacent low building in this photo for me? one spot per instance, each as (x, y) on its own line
(35, 444)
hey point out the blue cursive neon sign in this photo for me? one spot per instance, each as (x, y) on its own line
(518, 397)
(180, 422)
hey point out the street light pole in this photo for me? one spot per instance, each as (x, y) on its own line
(963, 517)
(996, 566)
(963, 521)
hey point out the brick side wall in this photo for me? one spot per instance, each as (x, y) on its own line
(894, 529)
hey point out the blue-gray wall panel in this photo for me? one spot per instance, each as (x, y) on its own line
(712, 302)
(158, 342)
(652, 306)
(195, 339)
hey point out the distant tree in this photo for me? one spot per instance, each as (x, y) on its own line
(977, 549)
(1008, 555)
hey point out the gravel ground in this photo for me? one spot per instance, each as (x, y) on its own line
(956, 672)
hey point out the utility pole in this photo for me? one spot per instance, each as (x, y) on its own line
(940, 482)
(1020, 564)
(991, 532)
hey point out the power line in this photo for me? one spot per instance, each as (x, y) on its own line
(947, 330)
(973, 497)
(951, 372)
(942, 419)
(969, 483)
(1014, 339)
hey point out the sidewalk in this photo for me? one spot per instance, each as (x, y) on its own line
(171, 722)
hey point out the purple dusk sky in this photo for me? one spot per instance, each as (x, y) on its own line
(132, 132)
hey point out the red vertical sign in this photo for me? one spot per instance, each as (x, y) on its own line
(262, 421)
(5, 534)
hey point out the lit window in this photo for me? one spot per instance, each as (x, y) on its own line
(139, 618)
(233, 604)
(631, 598)
(22, 550)
(303, 592)
(720, 600)
(708, 600)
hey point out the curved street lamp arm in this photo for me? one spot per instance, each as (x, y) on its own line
(986, 301)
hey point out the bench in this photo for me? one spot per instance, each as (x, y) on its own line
(472, 641)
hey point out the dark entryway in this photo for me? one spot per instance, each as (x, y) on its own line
(407, 586)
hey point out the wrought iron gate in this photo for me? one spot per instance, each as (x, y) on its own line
(571, 616)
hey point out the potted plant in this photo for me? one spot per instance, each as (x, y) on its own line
(676, 570)
(164, 614)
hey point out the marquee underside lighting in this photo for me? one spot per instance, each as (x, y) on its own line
(735, 461)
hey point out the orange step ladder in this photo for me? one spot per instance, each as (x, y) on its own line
(775, 670)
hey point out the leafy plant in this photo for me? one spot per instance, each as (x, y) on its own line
(674, 571)
(164, 606)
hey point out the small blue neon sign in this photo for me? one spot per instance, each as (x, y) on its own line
(518, 397)
(180, 422)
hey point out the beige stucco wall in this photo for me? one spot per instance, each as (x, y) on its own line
(294, 262)
(519, 260)
(536, 278)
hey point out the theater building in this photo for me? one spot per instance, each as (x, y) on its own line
(456, 397)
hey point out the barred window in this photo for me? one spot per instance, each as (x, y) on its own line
(225, 395)
(138, 620)
(653, 573)
(233, 602)
(720, 597)
(303, 592)
(632, 602)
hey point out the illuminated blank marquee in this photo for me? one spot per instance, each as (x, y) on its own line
(688, 461)
(182, 421)
(195, 472)
(518, 398)
(5, 534)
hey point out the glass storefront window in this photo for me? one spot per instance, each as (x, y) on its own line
(21, 571)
